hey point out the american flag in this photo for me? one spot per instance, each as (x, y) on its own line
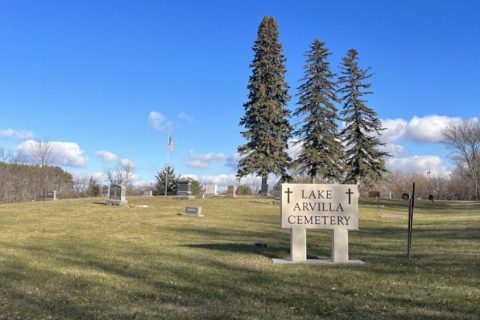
(170, 145)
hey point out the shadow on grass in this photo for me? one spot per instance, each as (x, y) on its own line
(268, 252)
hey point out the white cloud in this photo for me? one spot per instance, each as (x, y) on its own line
(127, 163)
(106, 156)
(418, 164)
(395, 129)
(426, 129)
(20, 135)
(100, 177)
(394, 150)
(232, 161)
(66, 154)
(293, 151)
(429, 128)
(159, 122)
(185, 117)
(203, 160)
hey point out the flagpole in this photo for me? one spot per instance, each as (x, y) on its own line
(169, 150)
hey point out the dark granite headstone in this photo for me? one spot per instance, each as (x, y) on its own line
(117, 195)
(264, 190)
(184, 190)
(51, 196)
(106, 191)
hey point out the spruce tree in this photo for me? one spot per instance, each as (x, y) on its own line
(321, 153)
(266, 118)
(166, 177)
(364, 159)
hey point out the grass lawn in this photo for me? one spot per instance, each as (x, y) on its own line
(80, 259)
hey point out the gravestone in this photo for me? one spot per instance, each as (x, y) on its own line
(231, 191)
(148, 193)
(51, 196)
(319, 206)
(211, 190)
(387, 195)
(193, 211)
(264, 190)
(106, 191)
(117, 195)
(373, 194)
(184, 190)
(277, 194)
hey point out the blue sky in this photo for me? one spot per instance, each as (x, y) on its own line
(118, 76)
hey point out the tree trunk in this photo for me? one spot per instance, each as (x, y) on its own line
(264, 181)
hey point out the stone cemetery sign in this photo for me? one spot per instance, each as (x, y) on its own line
(117, 195)
(319, 206)
(184, 190)
(51, 196)
(211, 190)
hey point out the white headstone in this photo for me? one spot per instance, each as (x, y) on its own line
(211, 189)
(231, 191)
(319, 206)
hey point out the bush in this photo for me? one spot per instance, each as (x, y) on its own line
(244, 190)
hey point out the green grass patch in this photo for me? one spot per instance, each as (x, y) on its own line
(80, 259)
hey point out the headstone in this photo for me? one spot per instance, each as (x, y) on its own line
(264, 190)
(51, 196)
(117, 195)
(193, 211)
(277, 194)
(231, 191)
(211, 190)
(105, 191)
(184, 190)
(373, 194)
(148, 193)
(319, 206)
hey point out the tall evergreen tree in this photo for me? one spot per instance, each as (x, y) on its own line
(266, 119)
(321, 153)
(167, 178)
(365, 161)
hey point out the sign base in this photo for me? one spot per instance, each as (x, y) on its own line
(318, 261)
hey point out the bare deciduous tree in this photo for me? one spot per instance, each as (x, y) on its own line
(42, 150)
(462, 138)
(122, 174)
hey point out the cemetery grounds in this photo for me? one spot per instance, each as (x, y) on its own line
(81, 259)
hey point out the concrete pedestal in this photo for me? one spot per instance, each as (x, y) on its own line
(340, 245)
(298, 245)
